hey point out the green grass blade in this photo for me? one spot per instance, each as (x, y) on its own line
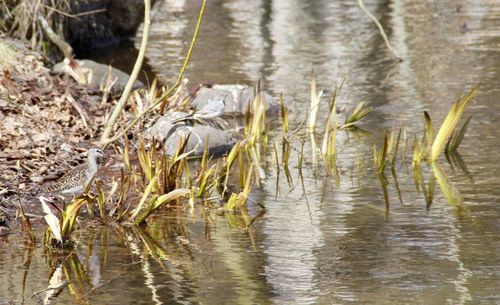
(457, 138)
(160, 201)
(450, 122)
(145, 195)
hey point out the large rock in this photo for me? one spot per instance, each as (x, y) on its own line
(100, 74)
(171, 134)
(237, 99)
(111, 22)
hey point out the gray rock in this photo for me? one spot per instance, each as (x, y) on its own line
(237, 99)
(219, 141)
(100, 73)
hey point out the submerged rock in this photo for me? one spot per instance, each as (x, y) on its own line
(100, 74)
(169, 132)
(238, 98)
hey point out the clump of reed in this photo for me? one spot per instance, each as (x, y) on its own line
(428, 149)
(328, 146)
(445, 135)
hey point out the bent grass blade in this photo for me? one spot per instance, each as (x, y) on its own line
(451, 120)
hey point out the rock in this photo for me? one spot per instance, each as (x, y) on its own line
(237, 99)
(100, 73)
(113, 21)
(90, 30)
(126, 16)
(219, 141)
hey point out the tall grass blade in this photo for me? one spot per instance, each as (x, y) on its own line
(330, 124)
(429, 131)
(145, 195)
(451, 193)
(284, 114)
(313, 117)
(456, 138)
(162, 200)
(396, 148)
(380, 156)
(145, 161)
(69, 215)
(314, 106)
(451, 121)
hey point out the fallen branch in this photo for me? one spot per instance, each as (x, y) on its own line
(58, 41)
(381, 29)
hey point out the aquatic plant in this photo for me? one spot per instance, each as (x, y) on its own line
(359, 113)
(61, 229)
(380, 156)
(456, 138)
(449, 123)
(331, 128)
(237, 201)
(422, 150)
(313, 116)
(394, 145)
(328, 147)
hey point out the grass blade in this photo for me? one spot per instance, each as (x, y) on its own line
(450, 122)
(160, 201)
(457, 138)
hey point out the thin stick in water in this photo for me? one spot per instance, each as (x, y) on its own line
(381, 29)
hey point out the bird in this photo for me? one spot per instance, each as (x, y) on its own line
(210, 114)
(213, 109)
(77, 178)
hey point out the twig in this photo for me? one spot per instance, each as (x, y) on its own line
(81, 112)
(102, 10)
(75, 16)
(57, 288)
(128, 88)
(381, 29)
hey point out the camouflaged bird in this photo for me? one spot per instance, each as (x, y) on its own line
(73, 182)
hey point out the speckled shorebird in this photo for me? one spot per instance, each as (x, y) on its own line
(73, 181)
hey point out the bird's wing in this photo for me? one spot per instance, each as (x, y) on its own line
(72, 178)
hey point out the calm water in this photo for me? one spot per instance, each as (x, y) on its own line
(323, 241)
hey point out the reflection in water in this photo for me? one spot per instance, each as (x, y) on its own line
(323, 239)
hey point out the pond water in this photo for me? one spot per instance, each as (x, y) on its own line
(321, 240)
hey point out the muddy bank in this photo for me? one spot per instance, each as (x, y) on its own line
(47, 120)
